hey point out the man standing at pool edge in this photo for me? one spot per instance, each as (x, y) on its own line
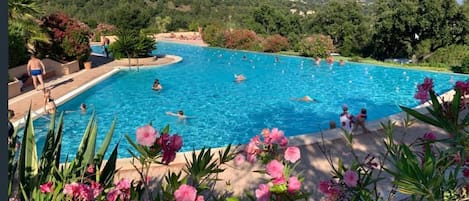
(36, 69)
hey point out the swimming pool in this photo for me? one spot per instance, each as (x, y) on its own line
(229, 112)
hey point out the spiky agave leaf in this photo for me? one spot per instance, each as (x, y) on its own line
(27, 166)
(82, 148)
(105, 144)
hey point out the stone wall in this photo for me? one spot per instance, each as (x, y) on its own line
(52, 67)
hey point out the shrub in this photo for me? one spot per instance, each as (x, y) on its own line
(213, 35)
(17, 51)
(316, 46)
(451, 56)
(102, 29)
(242, 39)
(130, 44)
(464, 68)
(275, 43)
(70, 38)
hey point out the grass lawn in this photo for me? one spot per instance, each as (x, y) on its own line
(374, 61)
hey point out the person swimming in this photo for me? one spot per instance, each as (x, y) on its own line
(305, 99)
(239, 78)
(179, 114)
(157, 85)
(83, 107)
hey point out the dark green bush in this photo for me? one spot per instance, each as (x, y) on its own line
(356, 59)
(130, 44)
(464, 68)
(451, 55)
(213, 35)
(17, 51)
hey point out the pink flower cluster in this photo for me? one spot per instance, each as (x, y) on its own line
(271, 138)
(330, 189)
(170, 145)
(121, 191)
(423, 89)
(46, 188)
(148, 136)
(83, 191)
(187, 193)
(463, 86)
(334, 190)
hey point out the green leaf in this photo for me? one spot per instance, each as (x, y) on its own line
(83, 147)
(105, 144)
(137, 147)
(88, 155)
(28, 163)
(109, 170)
(421, 116)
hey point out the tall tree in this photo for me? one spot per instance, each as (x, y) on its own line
(23, 29)
(416, 27)
(346, 23)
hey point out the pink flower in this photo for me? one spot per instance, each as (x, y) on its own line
(168, 156)
(279, 180)
(72, 189)
(327, 188)
(276, 135)
(46, 188)
(146, 135)
(96, 188)
(293, 184)
(263, 193)
(252, 158)
(200, 198)
(422, 96)
(90, 168)
(429, 136)
(185, 193)
(350, 178)
(123, 184)
(292, 154)
(283, 142)
(239, 159)
(113, 195)
(274, 169)
(175, 142)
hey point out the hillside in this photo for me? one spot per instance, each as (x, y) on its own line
(181, 12)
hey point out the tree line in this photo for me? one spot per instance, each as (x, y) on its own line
(424, 30)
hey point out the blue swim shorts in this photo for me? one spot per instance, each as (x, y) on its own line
(36, 72)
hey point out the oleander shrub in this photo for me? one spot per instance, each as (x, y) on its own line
(316, 45)
(69, 38)
(275, 43)
(242, 39)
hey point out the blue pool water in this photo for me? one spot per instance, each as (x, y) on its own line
(229, 112)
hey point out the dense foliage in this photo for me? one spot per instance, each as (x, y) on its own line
(70, 38)
(316, 46)
(130, 44)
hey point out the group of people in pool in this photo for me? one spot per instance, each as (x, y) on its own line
(350, 122)
(51, 108)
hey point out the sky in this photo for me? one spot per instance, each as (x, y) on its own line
(460, 1)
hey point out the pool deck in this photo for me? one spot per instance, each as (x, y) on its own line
(313, 163)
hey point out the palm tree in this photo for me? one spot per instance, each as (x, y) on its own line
(22, 21)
